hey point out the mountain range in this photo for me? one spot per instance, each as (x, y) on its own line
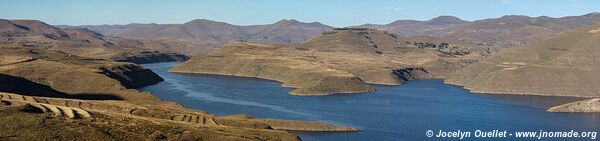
(506, 31)
(213, 33)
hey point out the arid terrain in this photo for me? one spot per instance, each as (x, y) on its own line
(80, 81)
(94, 99)
(340, 61)
(346, 60)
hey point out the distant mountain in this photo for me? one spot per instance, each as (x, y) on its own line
(445, 20)
(507, 31)
(431, 27)
(213, 33)
(203, 31)
(111, 29)
(286, 31)
(80, 41)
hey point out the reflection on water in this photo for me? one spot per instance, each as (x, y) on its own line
(177, 85)
(392, 113)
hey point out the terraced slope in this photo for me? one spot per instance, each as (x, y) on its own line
(30, 118)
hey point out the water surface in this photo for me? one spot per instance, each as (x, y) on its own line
(403, 112)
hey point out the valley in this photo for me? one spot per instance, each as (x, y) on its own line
(204, 79)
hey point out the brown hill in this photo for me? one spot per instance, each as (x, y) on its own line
(564, 65)
(205, 31)
(339, 61)
(8, 28)
(286, 31)
(37, 28)
(79, 41)
(507, 31)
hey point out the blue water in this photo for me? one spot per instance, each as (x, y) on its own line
(403, 112)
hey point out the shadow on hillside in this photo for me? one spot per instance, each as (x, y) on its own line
(89, 96)
(19, 85)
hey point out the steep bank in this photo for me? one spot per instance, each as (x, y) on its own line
(339, 61)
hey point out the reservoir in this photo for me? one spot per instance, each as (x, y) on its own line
(404, 112)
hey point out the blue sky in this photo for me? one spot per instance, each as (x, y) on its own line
(337, 13)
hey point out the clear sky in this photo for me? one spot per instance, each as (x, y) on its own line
(337, 13)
